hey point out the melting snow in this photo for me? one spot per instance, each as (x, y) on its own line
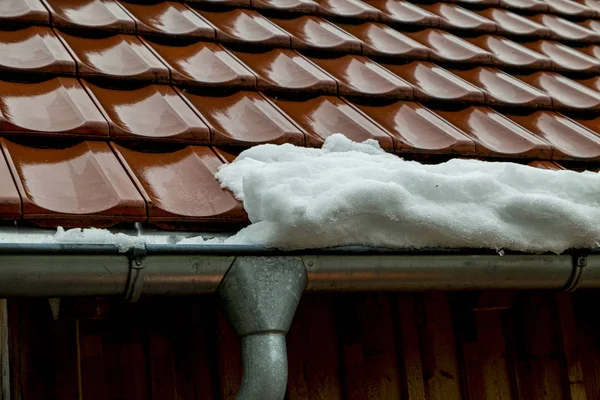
(351, 193)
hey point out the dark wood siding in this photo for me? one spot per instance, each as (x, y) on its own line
(345, 346)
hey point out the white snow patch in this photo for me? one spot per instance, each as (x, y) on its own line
(349, 193)
(98, 236)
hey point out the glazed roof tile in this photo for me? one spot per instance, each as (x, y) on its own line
(138, 103)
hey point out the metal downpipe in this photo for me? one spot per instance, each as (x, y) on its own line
(259, 296)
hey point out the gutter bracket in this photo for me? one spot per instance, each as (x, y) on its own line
(259, 296)
(579, 263)
(135, 281)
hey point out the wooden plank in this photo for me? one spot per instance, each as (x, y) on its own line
(588, 331)
(438, 349)
(195, 350)
(484, 354)
(230, 362)
(4, 352)
(14, 343)
(538, 358)
(410, 360)
(94, 385)
(181, 341)
(34, 358)
(570, 346)
(366, 329)
(67, 368)
(313, 351)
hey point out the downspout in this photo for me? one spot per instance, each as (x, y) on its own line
(259, 296)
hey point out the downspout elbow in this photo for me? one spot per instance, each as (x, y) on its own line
(259, 296)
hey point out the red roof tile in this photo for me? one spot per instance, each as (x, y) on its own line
(10, 202)
(565, 58)
(168, 18)
(508, 22)
(359, 76)
(563, 29)
(61, 106)
(400, 11)
(103, 15)
(180, 186)
(503, 89)
(525, 5)
(203, 64)
(565, 93)
(117, 57)
(381, 40)
(347, 8)
(27, 11)
(50, 56)
(287, 70)
(151, 112)
(418, 129)
(80, 185)
(308, 32)
(495, 134)
(507, 53)
(303, 6)
(568, 138)
(432, 82)
(455, 17)
(244, 118)
(247, 26)
(570, 8)
(447, 47)
(323, 116)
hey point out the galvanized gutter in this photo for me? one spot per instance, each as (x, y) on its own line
(259, 289)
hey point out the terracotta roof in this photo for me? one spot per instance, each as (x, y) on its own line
(114, 112)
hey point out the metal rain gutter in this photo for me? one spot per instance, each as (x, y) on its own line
(259, 289)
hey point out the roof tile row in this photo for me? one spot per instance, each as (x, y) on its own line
(89, 183)
(177, 19)
(248, 117)
(128, 56)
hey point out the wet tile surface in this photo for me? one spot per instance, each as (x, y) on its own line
(24, 11)
(568, 138)
(431, 82)
(494, 133)
(309, 32)
(145, 100)
(169, 18)
(503, 89)
(447, 47)
(359, 76)
(244, 118)
(565, 93)
(455, 17)
(417, 128)
(381, 40)
(151, 112)
(507, 53)
(247, 26)
(117, 57)
(180, 186)
(84, 182)
(103, 15)
(62, 108)
(34, 49)
(288, 71)
(323, 116)
(203, 64)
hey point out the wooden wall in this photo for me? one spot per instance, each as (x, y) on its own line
(341, 346)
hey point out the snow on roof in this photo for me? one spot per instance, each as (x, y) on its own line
(349, 193)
